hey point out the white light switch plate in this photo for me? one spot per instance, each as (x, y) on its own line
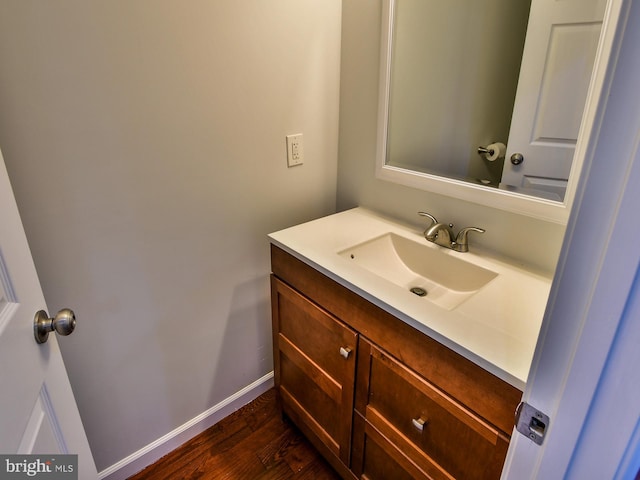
(295, 150)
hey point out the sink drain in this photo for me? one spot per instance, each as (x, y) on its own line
(421, 292)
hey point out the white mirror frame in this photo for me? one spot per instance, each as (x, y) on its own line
(548, 210)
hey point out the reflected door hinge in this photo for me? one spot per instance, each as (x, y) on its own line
(531, 422)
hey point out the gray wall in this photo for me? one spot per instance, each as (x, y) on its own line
(146, 146)
(526, 240)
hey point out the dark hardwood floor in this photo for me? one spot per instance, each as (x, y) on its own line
(252, 443)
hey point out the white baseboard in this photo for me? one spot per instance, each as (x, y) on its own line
(154, 451)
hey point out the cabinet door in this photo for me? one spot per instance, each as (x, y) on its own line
(314, 357)
(440, 436)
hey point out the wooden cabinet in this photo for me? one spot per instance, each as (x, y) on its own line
(315, 366)
(378, 398)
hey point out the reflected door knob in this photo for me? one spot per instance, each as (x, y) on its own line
(517, 158)
(64, 323)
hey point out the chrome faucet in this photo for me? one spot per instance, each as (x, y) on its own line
(441, 234)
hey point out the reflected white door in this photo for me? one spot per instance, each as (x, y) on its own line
(557, 63)
(38, 413)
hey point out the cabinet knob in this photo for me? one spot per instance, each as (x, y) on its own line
(345, 352)
(419, 423)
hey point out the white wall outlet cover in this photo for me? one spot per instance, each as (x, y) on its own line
(295, 150)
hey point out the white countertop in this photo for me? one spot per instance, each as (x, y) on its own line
(497, 328)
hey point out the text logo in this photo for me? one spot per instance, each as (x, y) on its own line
(50, 467)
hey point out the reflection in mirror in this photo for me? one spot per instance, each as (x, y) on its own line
(460, 76)
(454, 72)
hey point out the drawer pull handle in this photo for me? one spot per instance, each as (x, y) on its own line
(419, 423)
(345, 352)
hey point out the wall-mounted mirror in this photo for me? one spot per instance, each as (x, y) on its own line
(461, 77)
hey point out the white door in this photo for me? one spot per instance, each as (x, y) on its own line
(585, 371)
(38, 413)
(557, 62)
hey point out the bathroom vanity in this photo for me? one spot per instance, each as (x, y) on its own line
(387, 384)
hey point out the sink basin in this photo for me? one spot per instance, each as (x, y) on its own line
(420, 268)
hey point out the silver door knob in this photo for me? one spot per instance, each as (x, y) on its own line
(517, 158)
(64, 323)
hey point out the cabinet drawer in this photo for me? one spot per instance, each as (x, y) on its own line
(430, 426)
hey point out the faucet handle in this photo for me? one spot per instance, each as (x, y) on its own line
(425, 214)
(462, 242)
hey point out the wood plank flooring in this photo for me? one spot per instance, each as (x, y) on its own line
(252, 443)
